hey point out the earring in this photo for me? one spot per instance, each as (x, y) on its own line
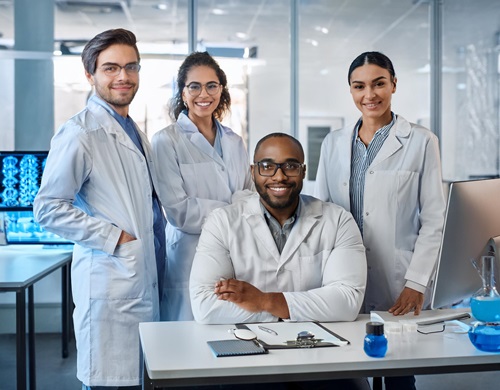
(185, 104)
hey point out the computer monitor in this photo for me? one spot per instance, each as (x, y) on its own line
(20, 178)
(472, 220)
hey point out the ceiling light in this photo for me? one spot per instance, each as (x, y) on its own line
(218, 11)
(241, 35)
(323, 30)
(161, 6)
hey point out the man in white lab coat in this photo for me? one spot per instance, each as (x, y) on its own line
(98, 190)
(278, 254)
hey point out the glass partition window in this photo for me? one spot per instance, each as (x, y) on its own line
(6, 25)
(252, 41)
(471, 82)
(263, 27)
(332, 34)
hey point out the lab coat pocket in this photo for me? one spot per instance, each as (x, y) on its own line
(118, 276)
(200, 180)
(311, 270)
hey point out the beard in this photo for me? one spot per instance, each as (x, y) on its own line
(116, 99)
(279, 203)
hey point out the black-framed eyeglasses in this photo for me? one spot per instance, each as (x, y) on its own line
(113, 70)
(269, 169)
(212, 88)
(430, 329)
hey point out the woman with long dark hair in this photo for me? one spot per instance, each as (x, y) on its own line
(201, 164)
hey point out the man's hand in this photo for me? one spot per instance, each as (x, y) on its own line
(125, 237)
(250, 298)
(408, 300)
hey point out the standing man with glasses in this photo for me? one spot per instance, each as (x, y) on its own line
(98, 190)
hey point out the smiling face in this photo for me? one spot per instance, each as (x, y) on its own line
(202, 106)
(118, 91)
(371, 89)
(279, 193)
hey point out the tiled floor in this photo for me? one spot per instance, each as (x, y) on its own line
(52, 371)
(55, 373)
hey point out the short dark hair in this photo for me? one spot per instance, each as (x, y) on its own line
(278, 135)
(374, 58)
(102, 41)
(193, 60)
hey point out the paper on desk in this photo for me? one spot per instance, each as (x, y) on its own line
(287, 331)
(425, 315)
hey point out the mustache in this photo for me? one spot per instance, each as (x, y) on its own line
(123, 85)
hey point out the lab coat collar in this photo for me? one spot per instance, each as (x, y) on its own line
(309, 214)
(106, 121)
(400, 129)
(186, 126)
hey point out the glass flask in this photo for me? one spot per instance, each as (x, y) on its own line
(485, 336)
(485, 303)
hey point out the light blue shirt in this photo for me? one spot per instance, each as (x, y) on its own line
(362, 157)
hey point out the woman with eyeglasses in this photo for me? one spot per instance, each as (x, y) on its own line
(201, 165)
(387, 172)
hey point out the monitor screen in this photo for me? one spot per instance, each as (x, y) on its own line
(20, 228)
(472, 218)
(20, 177)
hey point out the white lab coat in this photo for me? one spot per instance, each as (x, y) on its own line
(96, 183)
(321, 270)
(193, 180)
(403, 207)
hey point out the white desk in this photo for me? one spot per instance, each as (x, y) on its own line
(176, 354)
(21, 266)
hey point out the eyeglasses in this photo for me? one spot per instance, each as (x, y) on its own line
(430, 329)
(195, 88)
(269, 169)
(113, 70)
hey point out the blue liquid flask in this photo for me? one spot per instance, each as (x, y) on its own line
(485, 337)
(375, 344)
(485, 303)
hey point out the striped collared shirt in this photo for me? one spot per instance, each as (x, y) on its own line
(362, 157)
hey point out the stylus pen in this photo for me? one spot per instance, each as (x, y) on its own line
(268, 330)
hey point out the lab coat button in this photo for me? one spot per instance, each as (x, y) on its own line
(345, 184)
(154, 284)
(367, 213)
(371, 172)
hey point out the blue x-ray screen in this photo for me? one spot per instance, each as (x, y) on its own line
(20, 177)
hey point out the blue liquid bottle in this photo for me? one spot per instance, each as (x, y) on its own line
(375, 344)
